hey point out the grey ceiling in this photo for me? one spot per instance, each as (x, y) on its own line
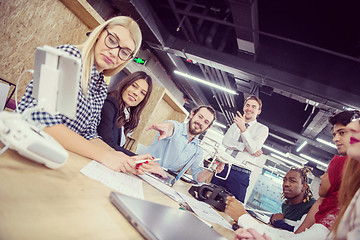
(300, 57)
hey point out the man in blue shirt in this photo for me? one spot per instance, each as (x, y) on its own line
(176, 143)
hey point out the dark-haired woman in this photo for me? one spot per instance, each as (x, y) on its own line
(121, 112)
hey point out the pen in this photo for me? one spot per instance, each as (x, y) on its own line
(141, 161)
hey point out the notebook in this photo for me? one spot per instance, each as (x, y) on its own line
(155, 221)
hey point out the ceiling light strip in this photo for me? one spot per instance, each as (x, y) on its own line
(314, 160)
(326, 143)
(274, 169)
(219, 124)
(275, 151)
(204, 82)
(297, 158)
(301, 146)
(281, 138)
(286, 161)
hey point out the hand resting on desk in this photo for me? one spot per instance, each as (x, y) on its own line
(276, 216)
(118, 161)
(152, 167)
(125, 163)
(234, 208)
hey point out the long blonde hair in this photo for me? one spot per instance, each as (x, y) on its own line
(88, 47)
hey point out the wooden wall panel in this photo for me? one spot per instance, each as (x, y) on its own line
(24, 25)
(163, 112)
(146, 115)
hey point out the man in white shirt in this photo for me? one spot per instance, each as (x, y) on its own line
(243, 141)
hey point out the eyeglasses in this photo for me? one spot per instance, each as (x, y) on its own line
(111, 42)
(355, 117)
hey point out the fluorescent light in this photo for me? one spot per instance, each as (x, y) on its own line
(297, 158)
(204, 82)
(275, 151)
(285, 160)
(281, 138)
(322, 168)
(313, 160)
(349, 108)
(271, 168)
(273, 178)
(301, 146)
(219, 124)
(280, 171)
(326, 143)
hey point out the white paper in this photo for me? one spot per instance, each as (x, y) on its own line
(205, 211)
(162, 187)
(121, 182)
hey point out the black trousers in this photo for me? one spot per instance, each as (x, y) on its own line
(236, 183)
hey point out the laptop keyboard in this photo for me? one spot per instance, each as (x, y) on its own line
(167, 181)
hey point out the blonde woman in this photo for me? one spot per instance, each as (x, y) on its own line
(106, 52)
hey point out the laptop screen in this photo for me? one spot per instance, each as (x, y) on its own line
(184, 169)
(170, 180)
(155, 221)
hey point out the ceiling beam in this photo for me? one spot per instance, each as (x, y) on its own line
(299, 137)
(265, 74)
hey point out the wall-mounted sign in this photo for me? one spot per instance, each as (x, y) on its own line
(139, 60)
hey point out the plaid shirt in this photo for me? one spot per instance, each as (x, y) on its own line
(88, 109)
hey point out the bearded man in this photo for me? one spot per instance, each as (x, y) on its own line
(177, 143)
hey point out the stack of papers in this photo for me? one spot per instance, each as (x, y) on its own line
(205, 211)
(132, 186)
(121, 182)
(162, 187)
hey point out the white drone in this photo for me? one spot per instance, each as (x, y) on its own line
(218, 154)
(56, 81)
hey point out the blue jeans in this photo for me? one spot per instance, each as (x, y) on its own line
(236, 183)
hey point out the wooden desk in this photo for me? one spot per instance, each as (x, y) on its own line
(40, 203)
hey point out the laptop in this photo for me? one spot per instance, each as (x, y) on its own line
(155, 221)
(170, 180)
(258, 215)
